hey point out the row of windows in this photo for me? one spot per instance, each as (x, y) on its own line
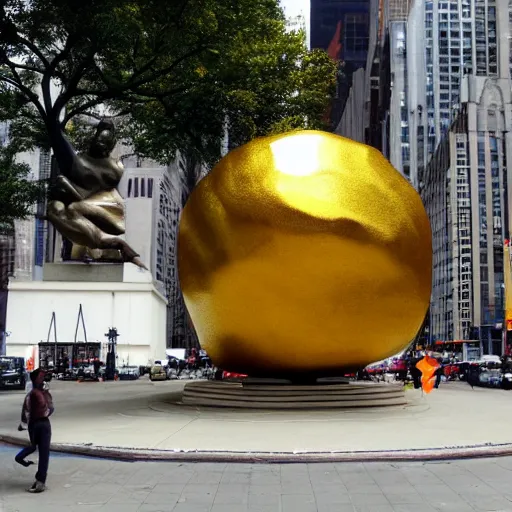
(142, 187)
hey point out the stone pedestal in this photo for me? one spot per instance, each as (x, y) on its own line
(264, 395)
(111, 295)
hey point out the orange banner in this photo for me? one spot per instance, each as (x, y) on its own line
(31, 360)
(428, 366)
(507, 273)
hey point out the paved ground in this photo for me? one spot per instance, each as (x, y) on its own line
(145, 415)
(80, 484)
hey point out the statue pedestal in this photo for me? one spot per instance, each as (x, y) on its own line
(111, 295)
(252, 394)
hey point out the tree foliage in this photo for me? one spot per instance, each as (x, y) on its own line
(173, 71)
(18, 194)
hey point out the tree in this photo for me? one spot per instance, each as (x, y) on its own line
(93, 51)
(176, 68)
(263, 81)
(18, 194)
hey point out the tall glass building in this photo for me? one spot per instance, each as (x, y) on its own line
(377, 110)
(447, 40)
(341, 27)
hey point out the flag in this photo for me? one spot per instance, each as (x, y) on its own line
(507, 275)
(428, 366)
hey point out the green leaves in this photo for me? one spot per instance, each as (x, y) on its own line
(258, 77)
(17, 193)
(175, 71)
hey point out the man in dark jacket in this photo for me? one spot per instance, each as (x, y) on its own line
(37, 409)
(415, 372)
(439, 373)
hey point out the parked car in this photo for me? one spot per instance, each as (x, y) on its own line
(12, 373)
(158, 372)
(129, 373)
(85, 372)
(231, 375)
(486, 372)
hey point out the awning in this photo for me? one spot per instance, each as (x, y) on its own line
(455, 342)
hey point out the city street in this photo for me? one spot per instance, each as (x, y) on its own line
(81, 484)
(145, 416)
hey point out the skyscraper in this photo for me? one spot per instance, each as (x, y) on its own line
(446, 41)
(466, 106)
(341, 27)
(376, 111)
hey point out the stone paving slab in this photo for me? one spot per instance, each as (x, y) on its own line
(84, 484)
(145, 420)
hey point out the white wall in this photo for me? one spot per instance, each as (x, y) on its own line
(135, 309)
(141, 213)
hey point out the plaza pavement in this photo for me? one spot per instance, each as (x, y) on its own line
(82, 484)
(145, 420)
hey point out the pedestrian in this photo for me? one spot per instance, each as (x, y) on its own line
(97, 366)
(23, 423)
(415, 373)
(36, 412)
(439, 373)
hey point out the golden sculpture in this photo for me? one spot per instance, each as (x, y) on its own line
(304, 253)
(85, 206)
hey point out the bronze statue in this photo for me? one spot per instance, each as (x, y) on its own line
(85, 205)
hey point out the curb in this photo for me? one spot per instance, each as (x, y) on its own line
(148, 455)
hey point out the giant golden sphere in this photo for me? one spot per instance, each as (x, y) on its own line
(304, 253)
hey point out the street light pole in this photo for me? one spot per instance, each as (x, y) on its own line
(110, 370)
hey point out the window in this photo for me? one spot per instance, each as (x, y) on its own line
(150, 187)
(136, 188)
(142, 187)
(356, 39)
(130, 187)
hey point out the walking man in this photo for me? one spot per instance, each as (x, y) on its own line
(37, 409)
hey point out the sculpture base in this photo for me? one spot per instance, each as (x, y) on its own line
(136, 309)
(267, 394)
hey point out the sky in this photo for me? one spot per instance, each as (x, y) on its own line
(294, 7)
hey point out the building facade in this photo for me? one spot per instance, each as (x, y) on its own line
(341, 27)
(459, 117)
(466, 190)
(445, 126)
(296, 23)
(376, 111)
(155, 197)
(446, 41)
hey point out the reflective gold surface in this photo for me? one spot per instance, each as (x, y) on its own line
(304, 253)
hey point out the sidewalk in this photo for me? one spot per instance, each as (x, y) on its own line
(128, 416)
(81, 484)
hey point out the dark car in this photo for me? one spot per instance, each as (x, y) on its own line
(129, 373)
(12, 373)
